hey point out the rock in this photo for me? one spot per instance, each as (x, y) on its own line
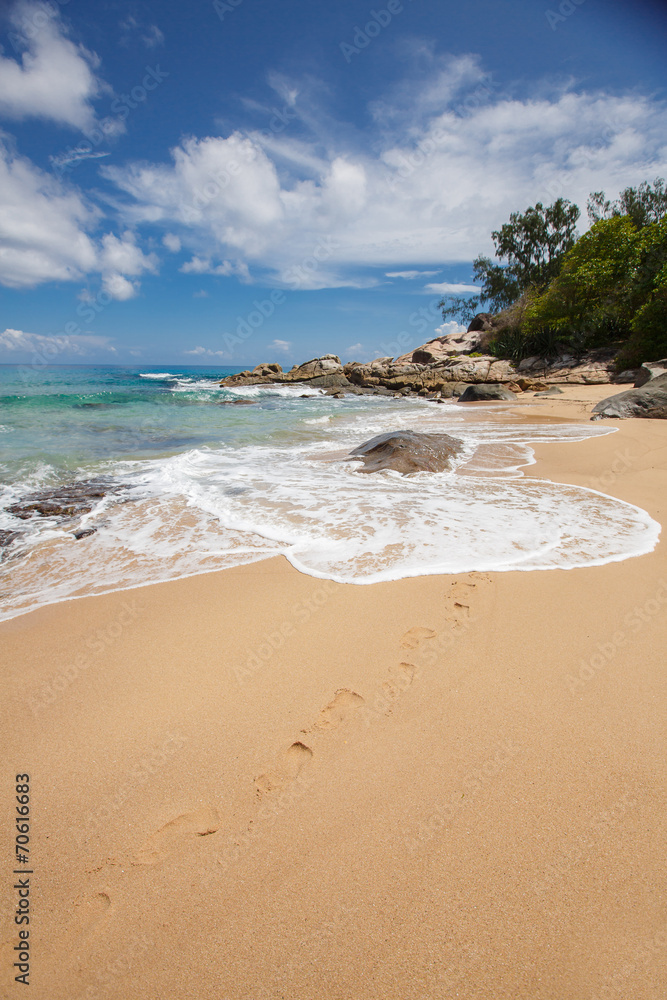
(65, 501)
(650, 371)
(84, 533)
(407, 452)
(330, 381)
(553, 391)
(325, 365)
(7, 537)
(486, 393)
(630, 375)
(237, 402)
(649, 400)
(272, 369)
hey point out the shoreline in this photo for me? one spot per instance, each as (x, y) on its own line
(452, 778)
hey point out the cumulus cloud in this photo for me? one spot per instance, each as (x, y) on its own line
(448, 328)
(427, 190)
(54, 78)
(452, 288)
(45, 229)
(46, 348)
(43, 226)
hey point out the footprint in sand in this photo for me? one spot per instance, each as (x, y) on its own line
(288, 769)
(337, 711)
(415, 636)
(176, 833)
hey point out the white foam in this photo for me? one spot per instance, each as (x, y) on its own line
(211, 508)
(157, 375)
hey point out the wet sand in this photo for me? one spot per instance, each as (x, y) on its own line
(255, 784)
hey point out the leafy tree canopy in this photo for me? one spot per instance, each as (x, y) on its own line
(644, 204)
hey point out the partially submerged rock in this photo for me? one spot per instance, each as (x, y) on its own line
(69, 500)
(486, 393)
(650, 401)
(407, 451)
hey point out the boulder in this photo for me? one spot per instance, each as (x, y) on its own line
(649, 400)
(649, 371)
(325, 365)
(486, 393)
(272, 369)
(335, 381)
(407, 452)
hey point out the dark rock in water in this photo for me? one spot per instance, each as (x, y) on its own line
(84, 533)
(65, 501)
(407, 451)
(7, 537)
(485, 393)
(237, 402)
(648, 401)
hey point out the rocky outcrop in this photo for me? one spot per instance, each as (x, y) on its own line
(486, 394)
(440, 366)
(66, 501)
(649, 401)
(407, 452)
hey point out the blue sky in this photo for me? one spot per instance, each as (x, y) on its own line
(251, 180)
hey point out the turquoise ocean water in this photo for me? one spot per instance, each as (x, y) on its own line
(211, 485)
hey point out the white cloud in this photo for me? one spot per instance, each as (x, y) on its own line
(171, 242)
(201, 294)
(280, 345)
(410, 275)
(449, 288)
(200, 265)
(44, 228)
(47, 348)
(54, 79)
(354, 348)
(205, 352)
(153, 37)
(448, 328)
(427, 189)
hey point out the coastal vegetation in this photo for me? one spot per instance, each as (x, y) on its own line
(554, 291)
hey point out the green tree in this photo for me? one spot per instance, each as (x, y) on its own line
(645, 204)
(591, 299)
(533, 246)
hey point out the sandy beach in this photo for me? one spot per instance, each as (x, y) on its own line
(256, 784)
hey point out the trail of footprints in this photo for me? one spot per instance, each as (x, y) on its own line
(175, 834)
